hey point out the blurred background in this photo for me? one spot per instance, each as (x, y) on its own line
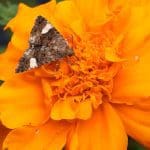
(8, 9)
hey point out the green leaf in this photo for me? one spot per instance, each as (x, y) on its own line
(133, 145)
(7, 11)
(28, 2)
(2, 49)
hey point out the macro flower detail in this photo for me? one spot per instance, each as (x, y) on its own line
(90, 101)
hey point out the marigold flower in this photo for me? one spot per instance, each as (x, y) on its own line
(89, 101)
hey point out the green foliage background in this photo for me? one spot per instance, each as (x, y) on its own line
(8, 9)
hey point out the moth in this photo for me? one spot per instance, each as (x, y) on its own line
(46, 45)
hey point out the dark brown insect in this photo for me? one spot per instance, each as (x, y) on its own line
(46, 45)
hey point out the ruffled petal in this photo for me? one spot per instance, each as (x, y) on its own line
(69, 109)
(138, 30)
(50, 136)
(22, 102)
(136, 120)
(132, 82)
(94, 13)
(103, 131)
(70, 23)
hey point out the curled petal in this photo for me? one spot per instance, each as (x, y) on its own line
(132, 82)
(22, 98)
(50, 136)
(137, 31)
(103, 131)
(136, 120)
(94, 13)
(72, 20)
(71, 110)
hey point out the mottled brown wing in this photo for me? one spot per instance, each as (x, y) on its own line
(46, 45)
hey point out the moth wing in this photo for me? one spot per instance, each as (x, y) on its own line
(46, 45)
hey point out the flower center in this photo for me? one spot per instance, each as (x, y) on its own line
(85, 76)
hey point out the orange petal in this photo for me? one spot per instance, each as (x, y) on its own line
(116, 4)
(22, 24)
(20, 41)
(62, 110)
(71, 21)
(8, 61)
(94, 13)
(137, 121)
(3, 132)
(50, 136)
(103, 131)
(68, 109)
(110, 55)
(26, 16)
(137, 31)
(132, 81)
(22, 102)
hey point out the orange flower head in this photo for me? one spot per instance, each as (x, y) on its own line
(91, 100)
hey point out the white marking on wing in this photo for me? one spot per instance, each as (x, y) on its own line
(28, 52)
(46, 28)
(32, 39)
(33, 63)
